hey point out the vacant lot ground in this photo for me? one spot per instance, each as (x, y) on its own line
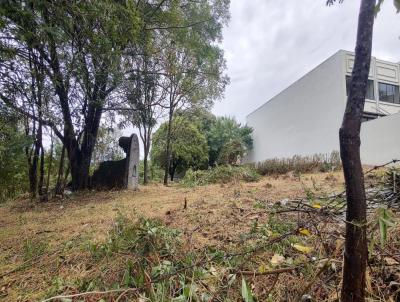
(49, 249)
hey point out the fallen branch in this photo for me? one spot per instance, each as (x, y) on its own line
(381, 166)
(91, 293)
(31, 262)
(273, 272)
(308, 287)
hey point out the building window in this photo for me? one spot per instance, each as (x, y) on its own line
(389, 93)
(370, 88)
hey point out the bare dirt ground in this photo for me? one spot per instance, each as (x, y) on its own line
(41, 244)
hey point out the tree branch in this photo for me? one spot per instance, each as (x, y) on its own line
(10, 104)
(178, 26)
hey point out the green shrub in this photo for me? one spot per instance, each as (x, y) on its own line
(143, 237)
(220, 174)
(154, 172)
(391, 181)
(300, 164)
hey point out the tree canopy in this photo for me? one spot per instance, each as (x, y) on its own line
(69, 66)
(228, 140)
(188, 146)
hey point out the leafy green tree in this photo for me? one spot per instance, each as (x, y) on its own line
(228, 140)
(188, 147)
(193, 62)
(79, 45)
(144, 96)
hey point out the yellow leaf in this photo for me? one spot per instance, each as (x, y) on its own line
(304, 232)
(302, 248)
(316, 206)
(277, 259)
(262, 268)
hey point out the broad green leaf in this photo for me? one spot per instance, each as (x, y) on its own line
(246, 292)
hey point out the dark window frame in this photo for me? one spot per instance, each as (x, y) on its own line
(386, 96)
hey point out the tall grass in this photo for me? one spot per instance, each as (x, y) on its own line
(300, 164)
(220, 174)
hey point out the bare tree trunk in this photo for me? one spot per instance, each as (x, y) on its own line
(145, 136)
(33, 160)
(50, 166)
(355, 255)
(64, 181)
(41, 173)
(172, 171)
(168, 147)
(58, 188)
(41, 169)
(145, 166)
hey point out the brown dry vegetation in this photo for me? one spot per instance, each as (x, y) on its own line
(45, 245)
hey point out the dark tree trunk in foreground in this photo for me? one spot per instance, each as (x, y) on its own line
(355, 254)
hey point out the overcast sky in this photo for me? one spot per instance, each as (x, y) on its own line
(268, 46)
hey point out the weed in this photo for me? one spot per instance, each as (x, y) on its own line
(260, 204)
(33, 249)
(98, 251)
(143, 237)
(57, 286)
(300, 164)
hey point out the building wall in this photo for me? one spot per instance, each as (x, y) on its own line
(304, 118)
(380, 140)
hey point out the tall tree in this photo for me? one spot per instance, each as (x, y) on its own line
(27, 84)
(355, 254)
(145, 95)
(83, 47)
(13, 172)
(195, 78)
(79, 46)
(192, 61)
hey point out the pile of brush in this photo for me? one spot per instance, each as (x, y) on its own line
(392, 183)
(387, 192)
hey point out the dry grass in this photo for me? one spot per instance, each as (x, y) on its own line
(51, 238)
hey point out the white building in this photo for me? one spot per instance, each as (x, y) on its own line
(304, 119)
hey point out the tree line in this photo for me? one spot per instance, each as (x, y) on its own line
(70, 68)
(200, 140)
